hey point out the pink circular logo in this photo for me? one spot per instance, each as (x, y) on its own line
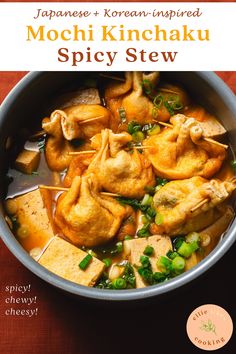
(209, 327)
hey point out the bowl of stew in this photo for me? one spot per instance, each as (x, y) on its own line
(118, 186)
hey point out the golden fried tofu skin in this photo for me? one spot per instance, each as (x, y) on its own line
(181, 152)
(57, 148)
(83, 120)
(77, 167)
(190, 205)
(119, 171)
(85, 216)
(129, 96)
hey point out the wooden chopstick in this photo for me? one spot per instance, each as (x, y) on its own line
(198, 205)
(209, 140)
(90, 120)
(64, 189)
(72, 153)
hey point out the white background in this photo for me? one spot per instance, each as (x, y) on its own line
(217, 54)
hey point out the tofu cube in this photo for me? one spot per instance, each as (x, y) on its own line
(27, 161)
(83, 96)
(63, 258)
(134, 250)
(212, 127)
(33, 216)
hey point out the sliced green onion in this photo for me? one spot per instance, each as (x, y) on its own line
(149, 189)
(119, 247)
(154, 130)
(192, 237)
(85, 262)
(172, 104)
(172, 254)
(146, 274)
(164, 264)
(161, 181)
(147, 200)
(122, 114)
(177, 106)
(147, 86)
(42, 145)
(177, 242)
(128, 237)
(158, 100)
(133, 127)
(233, 164)
(138, 136)
(107, 262)
(147, 127)
(178, 264)
(145, 220)
(148, 250)
(92, 253)
(144, 260)
(144, 231)
(119, 283)
(154, 112)
(169, 108)
(159, 219)
(151, 213)
(159, 277)
(187, 249)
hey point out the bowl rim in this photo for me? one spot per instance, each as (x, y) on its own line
(122, 295)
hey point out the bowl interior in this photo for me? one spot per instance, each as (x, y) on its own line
(31, 100)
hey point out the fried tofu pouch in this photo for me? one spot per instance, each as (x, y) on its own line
(178, 203)
(63, 126)
(86, 217)
(129, 95)
(181, 152)
(119, 171)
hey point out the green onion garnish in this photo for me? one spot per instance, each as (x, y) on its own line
(187, 249)
(128, 237)
(178, 264)
(41, 145)
(133, 127)
(119, 247)
(172, 254)
(107, 262)
(161, 181)
(147, 87)
(164, 264)
(154, 112)
(147, 200)
(119, 283)
(158, 100)
(138, 136)
(122, 114)
(85, 262)
(154, 130)
(233, 164)
(144, 260)
(148, 250)
(159, 219)
(177, 242)
(192, 237)
(144, 231)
